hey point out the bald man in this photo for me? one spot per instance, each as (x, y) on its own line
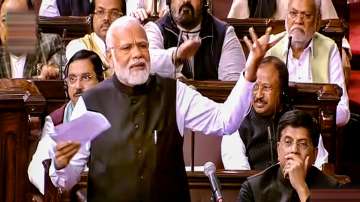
(43, 63)
(140, 158)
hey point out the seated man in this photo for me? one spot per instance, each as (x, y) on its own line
(140, 157)
(28, 65)
(255, 147)
(294, 176)
(195, 44)
(312, 57)
(104, 13)
(242, 9)
(83, 72)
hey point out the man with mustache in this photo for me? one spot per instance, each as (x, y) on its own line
(82, 72)
(312, 57)
(140, 158)
(192, 43)
(104, 12)
(293, 177)
(252, 148)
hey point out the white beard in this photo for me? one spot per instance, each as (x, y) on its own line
(133, 77)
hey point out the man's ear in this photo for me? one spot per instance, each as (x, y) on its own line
(109, 58)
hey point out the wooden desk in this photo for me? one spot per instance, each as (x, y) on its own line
(18, 99)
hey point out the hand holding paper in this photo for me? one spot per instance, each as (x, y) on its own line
(83, 129)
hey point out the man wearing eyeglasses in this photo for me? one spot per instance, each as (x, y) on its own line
(189, 42)
(104, 12)
(293, 177)
(312, 57)
(83, 72)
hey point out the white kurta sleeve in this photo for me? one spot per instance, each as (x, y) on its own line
(69, 176)
(200, 114)
(233, 152)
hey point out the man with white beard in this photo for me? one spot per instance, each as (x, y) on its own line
(140, 158)
(312, 57)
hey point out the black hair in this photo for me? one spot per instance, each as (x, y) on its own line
(300, 118)
(204, 3)
(283, 75)
(93, 57)
(122, 9)
(92, 10)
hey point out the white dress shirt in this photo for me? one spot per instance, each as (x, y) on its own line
(233, 153)
(300, 71)
(45, 150)
(193, 111)
(76, 44)
(232, 60)
(17, 65)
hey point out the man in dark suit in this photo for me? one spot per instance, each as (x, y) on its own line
(42, 63)
(293, 177)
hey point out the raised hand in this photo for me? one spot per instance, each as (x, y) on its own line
(258, 48)
(64, 153)
(296, 169)
(186, 50)
(140, 14)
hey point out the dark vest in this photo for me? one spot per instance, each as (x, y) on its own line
(254, 134)
(206, 60)
(73, 7)
(126, 162)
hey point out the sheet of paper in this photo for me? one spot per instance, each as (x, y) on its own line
(82, 129)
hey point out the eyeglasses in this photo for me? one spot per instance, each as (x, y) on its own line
(72, 79)
(301, 144)
(114, 14)
(304, 15)
(266, 88)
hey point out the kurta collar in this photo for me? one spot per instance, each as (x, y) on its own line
(136, 90)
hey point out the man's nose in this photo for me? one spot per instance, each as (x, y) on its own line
(294, 148)
(299, 19)
(136, 52)
(78, 84)
(259, 93)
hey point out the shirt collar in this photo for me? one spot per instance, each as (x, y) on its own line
(193, 30)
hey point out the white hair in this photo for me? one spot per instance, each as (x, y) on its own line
(317, 6)
(118, 23)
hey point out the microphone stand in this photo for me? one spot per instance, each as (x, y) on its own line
(62, 53)
(288, 50)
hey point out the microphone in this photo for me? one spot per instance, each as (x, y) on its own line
(209, 170)
(288, 50)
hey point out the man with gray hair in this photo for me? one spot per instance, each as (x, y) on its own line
(311, 56)
(140, 157)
